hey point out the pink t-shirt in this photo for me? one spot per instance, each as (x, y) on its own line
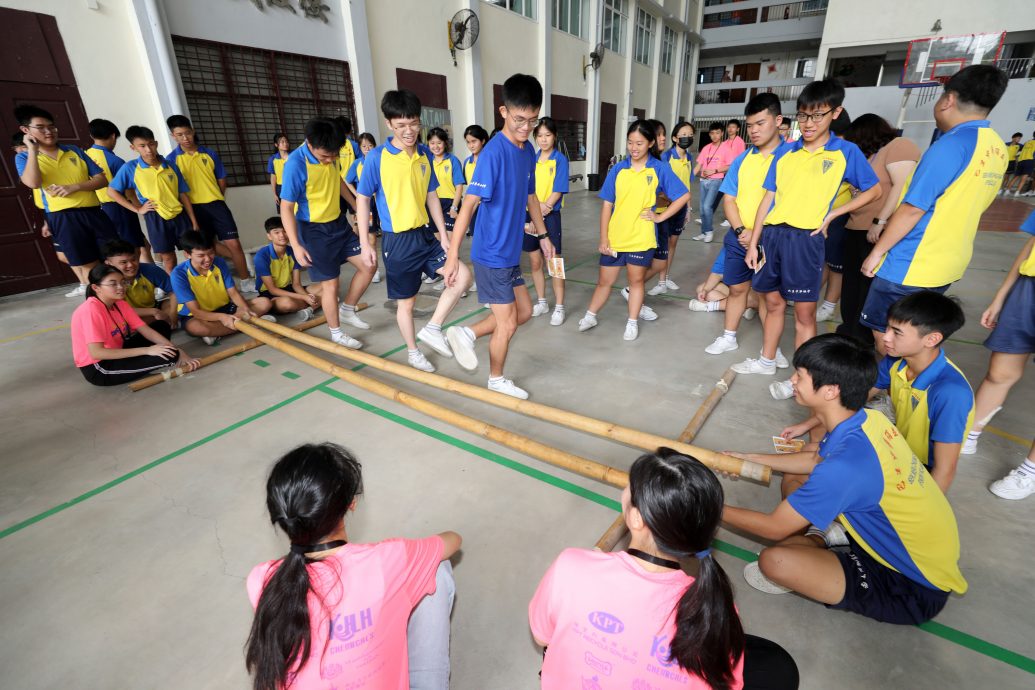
(359, 608)
(719, 155)
(608, 624)
(92, 322)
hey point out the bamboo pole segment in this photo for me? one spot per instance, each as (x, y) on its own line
(522, 444)
(609, 540)
(697, 421)
(572, 420)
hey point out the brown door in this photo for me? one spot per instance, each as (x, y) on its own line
(745, 72)
(33, 69)
(606, 140)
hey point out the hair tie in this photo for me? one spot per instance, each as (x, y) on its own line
(703, 554)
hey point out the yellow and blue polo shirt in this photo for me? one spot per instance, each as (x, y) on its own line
(109, 164)
(348, 153)
(450, 173)
(399, 185)
(314, 186)
(202, 169)
(355, 173)
(872, 483)
(280, 268)
(161, 184)
(551, 176)
(1012, 150)
(141, 290)
(632, 192)
(744, 180)
(935, 406)
(1027, 151)
(682, 167)
(469, 164)
(37, 199)
(954, 182)
(1027, 267)
(71, 166)
(806, 182)
(275, 167)
(209, 290)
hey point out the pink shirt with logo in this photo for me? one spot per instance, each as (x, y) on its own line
(720, 155)
(362, 599)
(608, 623)
(92, 322)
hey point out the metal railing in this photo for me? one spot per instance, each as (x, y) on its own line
(770, 13)
(785, 92)
(1017, 68)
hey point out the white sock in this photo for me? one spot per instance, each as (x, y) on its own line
(591, 313)
(973, 436)
(828, 305)
(495, 379)
(412, 353)
(336, 331)
(767, 362)
(1027, 468)
(558, 307)
(348, 307)
(434, 327)
(730, 335)
(542, 301)
(632, 321)
(713, 305)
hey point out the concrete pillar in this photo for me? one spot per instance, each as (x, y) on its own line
(655, 73)
(592, 78)
(545, 51)
(630, 44)
(474, 90)
(354, 13)
(161, 58)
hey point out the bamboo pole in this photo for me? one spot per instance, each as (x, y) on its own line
(614, 534)
(697, 421)
(572, 420)
(574, 463)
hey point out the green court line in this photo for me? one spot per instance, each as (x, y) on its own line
(980, 646)
(290, 375)
(261, 363)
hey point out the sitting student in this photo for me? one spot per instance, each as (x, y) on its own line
(205, 289)
(110, 343)
(684, 630)
(391, 599)
(275, 165)
(712, 295)
(279, 277)
(932, 400)
(901, 561)
(148, 288)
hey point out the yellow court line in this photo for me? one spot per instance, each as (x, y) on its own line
(26, 335)
(1008, 436)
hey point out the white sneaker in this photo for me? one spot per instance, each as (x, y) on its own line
(749, 314)
(306, 314)
(697, 220)
(833, 536)
(247, 284)
(557, 317)
(1030, 193)
(722, 344)
(439, 286)
(660, 289)
(754, 366)
(1014, 486)
(78, 291)
(474, 287)
(1016, 194)
(429, 279)
(587, 322)
(160, 294)
(269, 317)
(350, 317)
(211, 339)
(346, 340)
(1000, 192)
(632, 330)
(417, 360)
(540, 308)
(670, 285)
(698, 305)
(781, 390)
(703, 237)
(725, 223)
(377, 277)
(781, 361)
(969, 446)
(435, 340)
(754, 577)
(461, 342)
(824, 313)
(507, 387)
(648, 314)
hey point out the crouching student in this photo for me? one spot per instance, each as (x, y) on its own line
(148, 288)
(678, 631)
(210, 304)
(279, 278)
(111, 345)
(367, 615)
(866, 492)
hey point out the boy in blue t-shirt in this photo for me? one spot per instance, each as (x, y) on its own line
(278, 277)
(502, 190)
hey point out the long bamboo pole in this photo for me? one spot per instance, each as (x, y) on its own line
(522, 444)
(609, 540)
(697, 421)
(572, 420)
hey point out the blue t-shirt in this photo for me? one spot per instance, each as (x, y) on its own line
(503, 179)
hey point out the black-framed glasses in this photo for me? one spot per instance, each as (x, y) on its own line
(521, 122)
(815, 117)
(44, 128)
(116, 284)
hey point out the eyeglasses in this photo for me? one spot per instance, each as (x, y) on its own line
(44, 128)
(406, 127)
(815, 117)
(521, 122)
(114, 284)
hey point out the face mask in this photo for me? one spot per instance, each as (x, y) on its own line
(684, 142)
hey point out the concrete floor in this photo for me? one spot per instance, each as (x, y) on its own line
(131, 519)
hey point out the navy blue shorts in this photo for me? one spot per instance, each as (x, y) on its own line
(553, 228)
(1025, 167)
(661, 237)
(497, 285)
(278, 199)
(734, 270)
(447, 221)
(793, 263)
(1011, 167)
(834, 247)
(215, 220)
(127, 223)
(1015, 332)
(883, 594)
(884, 293)
(644, 257)
(80, 232)
(329, 245)
(165, 234)
(409, 255)
(676, 223)
(228, 308)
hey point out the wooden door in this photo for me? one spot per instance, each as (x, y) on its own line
(744, 72)
(606, 140)
(34, 68)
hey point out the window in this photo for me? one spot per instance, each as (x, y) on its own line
(668, 48)
(525, 8)
(616, 14)
(710, 75)
(239, 97)
(805, 68)
(686, 59)
(571, 139)
(567, 16)
(643, 49)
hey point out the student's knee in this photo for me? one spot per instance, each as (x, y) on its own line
(739, 290)
(774, 300)
(524, 312)
(777, 563)
(536, 259)
(1003, 372)
(405, 306)
(260, 305)
(196, 328)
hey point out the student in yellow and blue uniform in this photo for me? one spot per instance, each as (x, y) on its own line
(1013, 150)
(206, 181)
(882, 527)
(320, 237)
(398, 177)
(209, 303)
(682, 163)
(161, 195)
(279, 278)
(275, 167)
(475, 137)
(1025, 168)
(929, 239)
(449, 172)
(834, 247)
(367, 143)
(127, 224)
(551, 184)
(67, 179)
(40, 220)
(786, 249)
(148, 288)
(348, 153)
(627, 233)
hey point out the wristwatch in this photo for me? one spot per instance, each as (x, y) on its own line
(543, 236)
(738, 230)
(878, 221)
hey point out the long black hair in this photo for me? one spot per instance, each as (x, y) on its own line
(681, 502)
(99, 273)
(307, 494)
(659, 131)
(648, 132)
(478, 132)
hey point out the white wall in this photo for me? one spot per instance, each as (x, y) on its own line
(510, 46)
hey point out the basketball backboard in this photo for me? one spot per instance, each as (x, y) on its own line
(931, 61)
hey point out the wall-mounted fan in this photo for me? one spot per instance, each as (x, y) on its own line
(594, 61)
(463, 32)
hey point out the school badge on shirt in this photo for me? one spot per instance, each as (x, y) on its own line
(827, 165)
